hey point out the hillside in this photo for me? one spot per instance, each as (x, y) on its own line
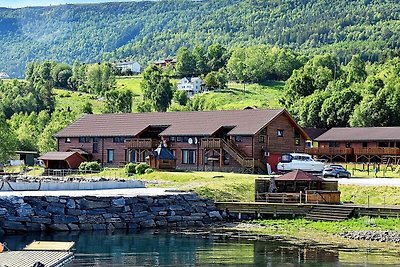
(150, 30)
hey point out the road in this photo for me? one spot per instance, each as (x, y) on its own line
(369, 181)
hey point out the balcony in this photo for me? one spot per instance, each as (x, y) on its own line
(369, 151)
(141, 143)
(211, 143)
(329, 151)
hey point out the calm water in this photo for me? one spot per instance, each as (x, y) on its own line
(162, 249)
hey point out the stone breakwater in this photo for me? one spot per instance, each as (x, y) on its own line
(63, 213)
(380, 236)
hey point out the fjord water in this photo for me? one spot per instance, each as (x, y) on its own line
(164, 249)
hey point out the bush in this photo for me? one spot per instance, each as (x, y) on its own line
(90, 166)
(148, 171)
(130, 168)
(141, 168)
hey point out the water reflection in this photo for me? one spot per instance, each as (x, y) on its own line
(162, 249)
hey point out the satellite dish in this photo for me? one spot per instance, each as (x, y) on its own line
(190, 141)
(195, 140)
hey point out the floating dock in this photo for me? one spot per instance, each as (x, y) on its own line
(50, 254)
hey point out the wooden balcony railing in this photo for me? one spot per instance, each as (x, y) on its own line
(141, 143)
(211, 143)
(377, 151)
(319, 151)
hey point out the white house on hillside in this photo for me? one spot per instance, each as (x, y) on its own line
(191, 86)
(126, 65)
(4, 75)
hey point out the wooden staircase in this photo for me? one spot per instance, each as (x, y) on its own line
(329, 213)
(246, 162)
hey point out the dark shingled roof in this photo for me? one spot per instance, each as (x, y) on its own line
(361, 134)
(163, 153)
(58, 155)
(313, 133)
(194, 123)
(298, 175)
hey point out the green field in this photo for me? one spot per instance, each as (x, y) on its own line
(131, 83)
(75, 100)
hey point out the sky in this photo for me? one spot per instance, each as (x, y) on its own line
(25, 3)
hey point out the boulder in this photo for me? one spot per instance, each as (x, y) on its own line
(58, 227)
(25, 210)
(118, 202)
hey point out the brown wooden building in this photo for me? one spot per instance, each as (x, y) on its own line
(362, 144)
(234, 140)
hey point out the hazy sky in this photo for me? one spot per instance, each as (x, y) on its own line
(24, 3)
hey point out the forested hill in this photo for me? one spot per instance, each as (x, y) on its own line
(150, 30)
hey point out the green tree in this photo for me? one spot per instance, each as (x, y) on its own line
(180, 97)
(185, 63)
(356, 70)
(200, 57)
(118, 101)
(157, 89)
(217, 57)
(337, 109)
(87, 108)
(8, 143)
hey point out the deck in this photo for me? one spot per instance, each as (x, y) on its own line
(302, 209)
(51, 254)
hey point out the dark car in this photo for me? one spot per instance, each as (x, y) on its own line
(335, 171)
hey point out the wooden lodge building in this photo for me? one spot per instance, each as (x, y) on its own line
(362, 144)
(234, 140)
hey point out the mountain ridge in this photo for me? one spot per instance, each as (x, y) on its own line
(149, 30)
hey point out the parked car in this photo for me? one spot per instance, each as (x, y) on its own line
(335, 171)
(299, 161)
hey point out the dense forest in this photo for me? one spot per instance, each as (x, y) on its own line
(151, 30)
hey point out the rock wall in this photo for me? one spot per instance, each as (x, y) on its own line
(47, 213)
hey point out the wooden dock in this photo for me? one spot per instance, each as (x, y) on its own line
(50, 254)
(311, 211)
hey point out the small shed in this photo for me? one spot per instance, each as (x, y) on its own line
(28, 157)
(62, 160)
(297, 181)
(162, 159)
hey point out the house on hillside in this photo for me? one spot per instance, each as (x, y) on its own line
(363, 144)
(4, 75)
(231, 140)
(163, 63)
(191, 86)
(128, 66)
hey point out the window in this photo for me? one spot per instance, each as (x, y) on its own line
(333, 144)
(67, 140)
(226, 158)
(84, 139)
(365, 144)
(95, 139)
(178, 139)
(133, 156)
(172, 139)
(185, 139)
(118, 139)
(206, 158)
(188, 156)
(279, 133)
(110, 155)
(297, 141)
(348, 145)
(383, 144)
(238, 138)
(286, 158)
(95, 148)
(261, 139)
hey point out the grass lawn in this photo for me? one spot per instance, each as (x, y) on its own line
(236, 97)
(131, 83)
(367, 170)
(75, 100)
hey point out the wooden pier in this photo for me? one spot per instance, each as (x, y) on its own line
(50, 254)
(322, 212)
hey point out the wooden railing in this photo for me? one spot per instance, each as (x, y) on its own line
(377, 151)
(329, 151)
(211, 143)
(141, 143)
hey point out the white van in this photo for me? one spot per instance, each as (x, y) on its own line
(299, 161)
